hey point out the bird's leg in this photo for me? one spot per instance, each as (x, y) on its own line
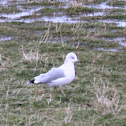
(62, 92)
(54, 88)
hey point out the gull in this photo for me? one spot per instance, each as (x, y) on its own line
(59, 76)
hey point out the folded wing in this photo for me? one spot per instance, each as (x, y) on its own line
(53, 74)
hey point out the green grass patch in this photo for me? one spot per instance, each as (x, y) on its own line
(78, 10)
(11, 9)
(98, 73)
(119, 17)
(117, 10)
(44, 3)
(117, 3)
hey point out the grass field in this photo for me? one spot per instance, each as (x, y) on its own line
(97, 96)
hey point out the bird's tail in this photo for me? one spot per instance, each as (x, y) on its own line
(31, 81)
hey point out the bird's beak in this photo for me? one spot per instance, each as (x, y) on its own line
(77, 61)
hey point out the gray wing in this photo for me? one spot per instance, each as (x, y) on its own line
(51, 75)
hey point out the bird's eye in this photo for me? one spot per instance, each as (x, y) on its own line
(72, 57)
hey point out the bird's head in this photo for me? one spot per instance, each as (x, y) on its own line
(71, 57)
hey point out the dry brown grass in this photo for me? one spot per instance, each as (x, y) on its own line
(108, 98)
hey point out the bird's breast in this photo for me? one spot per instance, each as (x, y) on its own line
(69, 71)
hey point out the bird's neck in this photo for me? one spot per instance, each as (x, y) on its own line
(68, 64)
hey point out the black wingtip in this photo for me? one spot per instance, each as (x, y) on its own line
(28, 82)
(32, 81)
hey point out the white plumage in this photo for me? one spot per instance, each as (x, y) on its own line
(59, 76)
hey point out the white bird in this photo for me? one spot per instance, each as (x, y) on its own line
(57, 77)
